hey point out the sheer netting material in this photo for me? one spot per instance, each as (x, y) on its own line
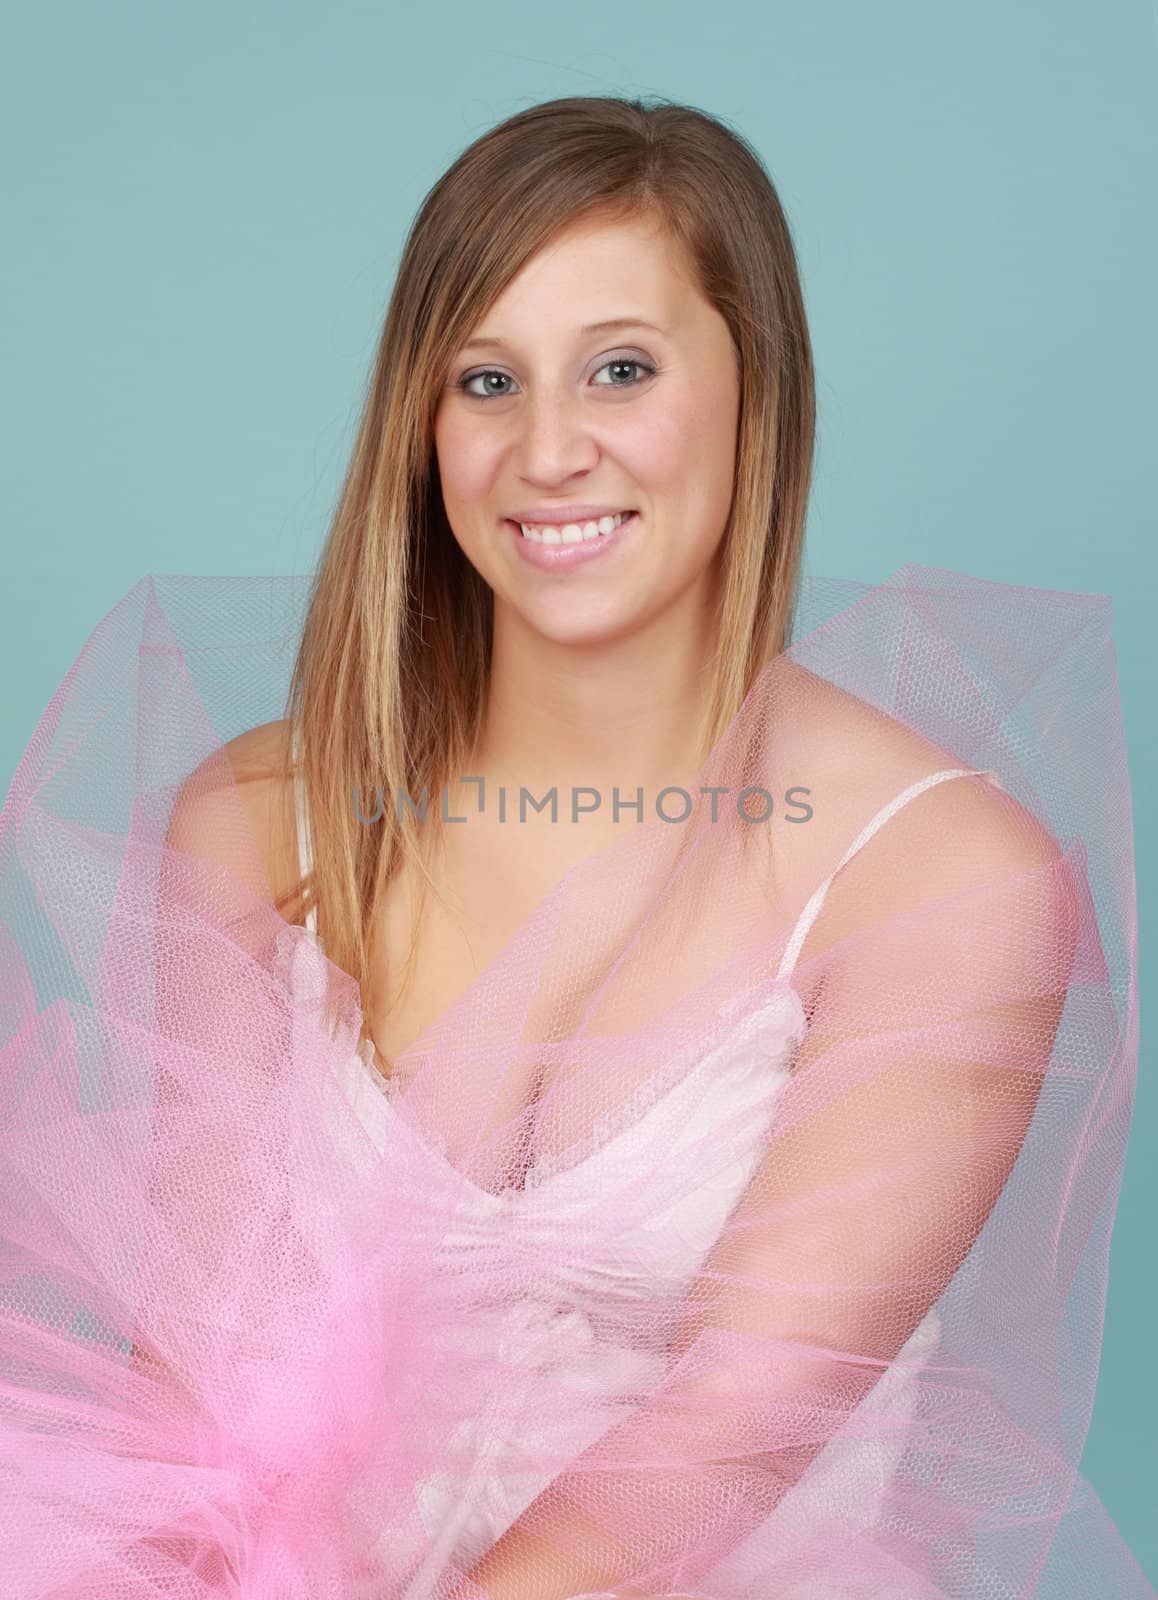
(787, 1280)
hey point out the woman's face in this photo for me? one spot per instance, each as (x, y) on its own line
(543, 411)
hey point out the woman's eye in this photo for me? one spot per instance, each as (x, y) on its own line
(492, 372)
(626, 361)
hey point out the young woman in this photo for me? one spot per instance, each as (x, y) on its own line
(594, 1027)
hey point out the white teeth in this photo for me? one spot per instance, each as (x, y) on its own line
(571, 532)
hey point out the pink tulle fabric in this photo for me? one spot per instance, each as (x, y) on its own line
(787, 1280)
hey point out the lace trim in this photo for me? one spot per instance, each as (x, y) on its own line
(750, 1035)
(758, 1029)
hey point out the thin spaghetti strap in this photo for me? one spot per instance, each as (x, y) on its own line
(305, 852)
(809, 914)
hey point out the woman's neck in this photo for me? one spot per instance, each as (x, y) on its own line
(627, 713)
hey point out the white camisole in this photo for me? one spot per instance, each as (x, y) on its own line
(567, 1327)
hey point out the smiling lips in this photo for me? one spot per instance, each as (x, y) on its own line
(556, 548)
(572, 532)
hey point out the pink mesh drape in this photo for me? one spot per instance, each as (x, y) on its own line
(741, 1232)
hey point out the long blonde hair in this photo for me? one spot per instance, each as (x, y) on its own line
(390, 676)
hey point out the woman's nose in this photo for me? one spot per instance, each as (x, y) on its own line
(557, 439)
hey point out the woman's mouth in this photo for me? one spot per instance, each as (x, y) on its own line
(559, 547)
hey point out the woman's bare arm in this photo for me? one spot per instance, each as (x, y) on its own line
(897, 1142)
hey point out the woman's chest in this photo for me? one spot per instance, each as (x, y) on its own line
(432, 940)
(569, 942)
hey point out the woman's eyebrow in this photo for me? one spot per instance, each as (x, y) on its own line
(483, 343)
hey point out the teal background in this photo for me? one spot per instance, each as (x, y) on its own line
(204, 210)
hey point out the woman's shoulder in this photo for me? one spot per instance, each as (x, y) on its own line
(249, 780)
(261, 757)
(857, 758)
(959, 896)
